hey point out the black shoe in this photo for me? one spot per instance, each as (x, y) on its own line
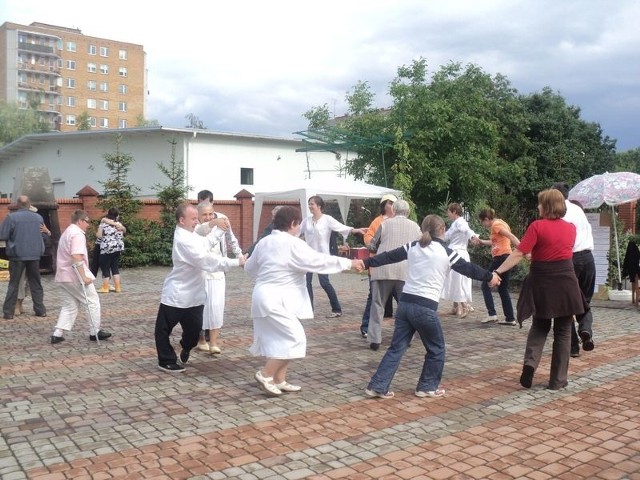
(7, 316)
(374, 346)
(184, 357)
(575, 354)
(171, 367)
(102, 335)
(526, 379)
(363, 332)
(587, 341)
(55, 339)
(44, 314)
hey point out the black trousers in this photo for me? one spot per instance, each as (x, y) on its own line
(585, 267)
(168, 317)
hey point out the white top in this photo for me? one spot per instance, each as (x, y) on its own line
(184, 287)
(279, 264)
(584, 236)
(219, 239)
(317, 233)
(459, 234)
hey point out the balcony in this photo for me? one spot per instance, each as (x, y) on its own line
(31, 47)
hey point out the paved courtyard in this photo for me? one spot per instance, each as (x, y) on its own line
(86, 411)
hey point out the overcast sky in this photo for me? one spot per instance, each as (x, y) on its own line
(256, 66)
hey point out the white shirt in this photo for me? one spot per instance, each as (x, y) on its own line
(458, 234)
(184, 287)
(317, 233)
(219, 239)
(584, 236)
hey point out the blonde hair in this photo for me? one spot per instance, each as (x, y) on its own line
(429, 228)
(552, 204)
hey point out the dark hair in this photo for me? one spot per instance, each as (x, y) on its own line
(455, 208)
(429, 228)
(552, 205)
(563, 188)
(285, 217)
(205, 195)
(113, 213)
(181, 210)
(487, 214)
(318, 201)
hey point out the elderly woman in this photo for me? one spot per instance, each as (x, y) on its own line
(280, 299)
(551, 289)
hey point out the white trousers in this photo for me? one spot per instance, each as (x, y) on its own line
(213, 314)
(75, 299)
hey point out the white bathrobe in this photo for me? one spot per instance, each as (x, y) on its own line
(279, 264)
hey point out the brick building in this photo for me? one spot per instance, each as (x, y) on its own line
(66, 73)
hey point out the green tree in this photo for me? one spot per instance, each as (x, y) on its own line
(83, 122)
(176, 192)
(16, 122)
(195, 122)
(143, 122)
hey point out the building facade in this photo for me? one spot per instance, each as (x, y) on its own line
(65, 74)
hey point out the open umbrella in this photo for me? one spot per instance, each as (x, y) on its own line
(608, 188)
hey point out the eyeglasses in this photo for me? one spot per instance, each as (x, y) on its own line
(88, 220)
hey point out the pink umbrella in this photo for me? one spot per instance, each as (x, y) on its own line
(608, 188)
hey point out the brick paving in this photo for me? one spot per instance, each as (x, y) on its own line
(86, 411)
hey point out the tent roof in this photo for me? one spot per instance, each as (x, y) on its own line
(341, 190)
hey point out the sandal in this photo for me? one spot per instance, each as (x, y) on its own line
(287, 387)
(266, 384)
(374, 394)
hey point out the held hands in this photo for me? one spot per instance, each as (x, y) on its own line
(360, 231)
(44, 229)
(495, 280)
(242, 259)
(476, 241)
(357, 265)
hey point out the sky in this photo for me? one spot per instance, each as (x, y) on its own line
(256, 66)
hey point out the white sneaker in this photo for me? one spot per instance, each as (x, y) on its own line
(266, 384)
(490, 319)
(439, 392)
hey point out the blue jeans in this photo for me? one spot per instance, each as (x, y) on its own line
(503, 291)
(411, 318)
(329, 290)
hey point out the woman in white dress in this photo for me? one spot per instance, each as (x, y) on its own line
(279, 265)
(457, 288)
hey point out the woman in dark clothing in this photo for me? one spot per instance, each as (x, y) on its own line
(551, 289)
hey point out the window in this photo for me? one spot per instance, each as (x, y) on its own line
(122, 54)
(122, 106)
(41, 79)
(246, 176)
(71, 46)
(122, 88)
(71, 101)
(104, 122)
(104, 87)
(104, 52)
(71, 119)
(92, 86)
(91, 67)
(71, 64)
(122, 123)
(104, 104)
(91, 103)
(104, 69)
(122, 71)
(92, 50)
(71, 83)
(93, 122)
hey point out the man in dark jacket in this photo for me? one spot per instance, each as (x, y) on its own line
(21, 231)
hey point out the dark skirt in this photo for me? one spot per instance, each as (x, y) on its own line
(551, 290)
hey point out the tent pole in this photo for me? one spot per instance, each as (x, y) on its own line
(615, 232)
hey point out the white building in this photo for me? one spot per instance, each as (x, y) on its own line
(224, 163)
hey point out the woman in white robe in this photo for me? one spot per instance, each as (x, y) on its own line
(280, 299)
(457, 288)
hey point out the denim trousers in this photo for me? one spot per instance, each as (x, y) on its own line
(328, 288)
(503, 290)
(411, 318)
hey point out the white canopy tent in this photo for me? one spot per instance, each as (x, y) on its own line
(341, 190)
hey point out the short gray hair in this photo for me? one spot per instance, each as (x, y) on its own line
(401, 207)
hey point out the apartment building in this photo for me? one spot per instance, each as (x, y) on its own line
(65, 74)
